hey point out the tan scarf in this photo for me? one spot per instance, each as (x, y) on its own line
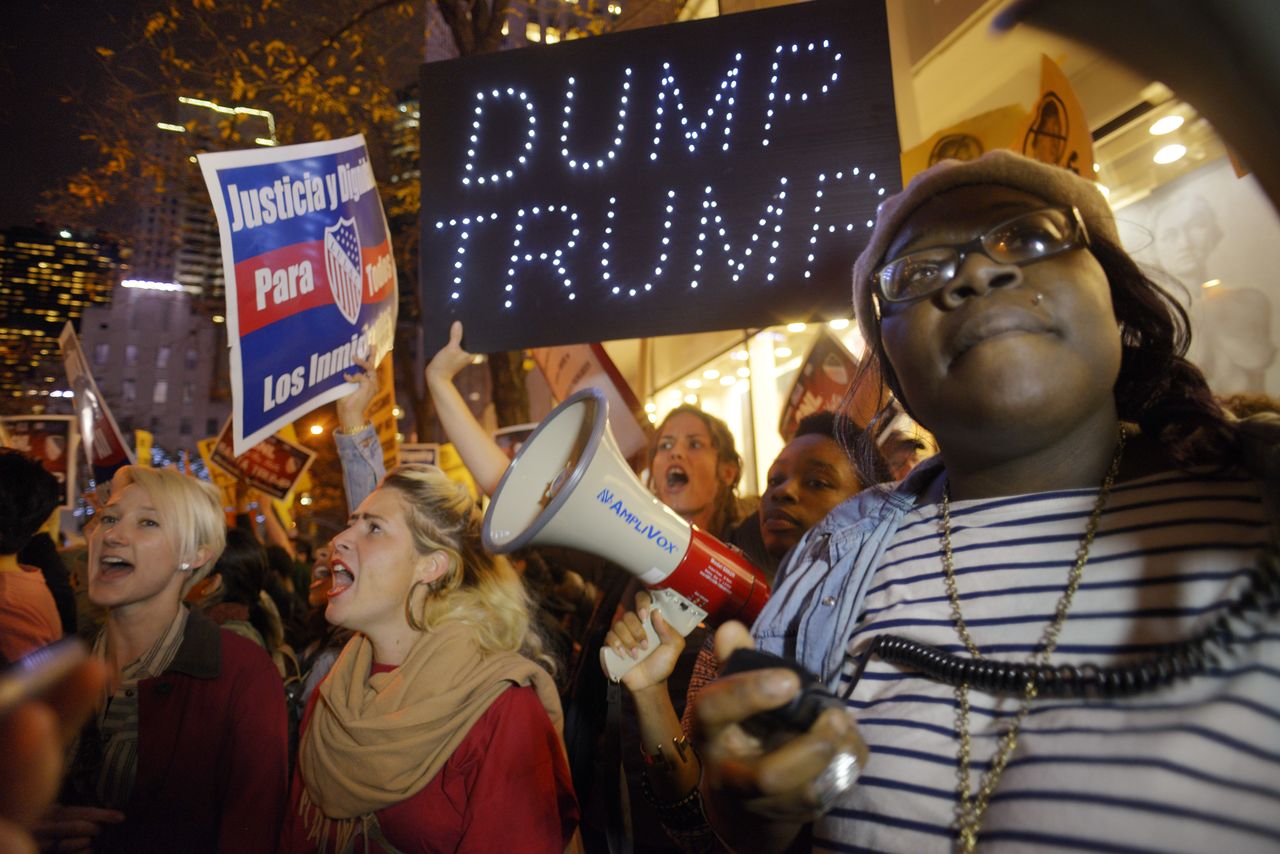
(377, 740)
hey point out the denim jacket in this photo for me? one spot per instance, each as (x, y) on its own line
(362, 466)
(819, 591)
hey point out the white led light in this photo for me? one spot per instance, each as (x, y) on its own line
(471, 152)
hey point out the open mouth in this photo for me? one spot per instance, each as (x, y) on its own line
(677, 478)
(111, 567)
(343, 578)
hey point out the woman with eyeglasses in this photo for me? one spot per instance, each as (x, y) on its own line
(1061, 632)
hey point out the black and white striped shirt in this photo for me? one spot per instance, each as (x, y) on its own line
(1192, 767)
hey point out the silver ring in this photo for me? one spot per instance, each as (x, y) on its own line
(841, 773)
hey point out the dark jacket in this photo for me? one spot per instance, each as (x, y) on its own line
(212, 751)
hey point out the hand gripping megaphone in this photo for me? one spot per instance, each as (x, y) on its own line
(570, 486)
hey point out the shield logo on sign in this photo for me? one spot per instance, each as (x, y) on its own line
(342, 262)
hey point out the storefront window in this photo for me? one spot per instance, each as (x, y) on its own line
(747, 386)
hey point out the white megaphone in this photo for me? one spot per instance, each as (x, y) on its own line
(570, 486)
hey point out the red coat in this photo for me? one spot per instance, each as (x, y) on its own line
(213, 759)
(506, 788)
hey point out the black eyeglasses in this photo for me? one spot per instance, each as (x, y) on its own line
(1025, 239)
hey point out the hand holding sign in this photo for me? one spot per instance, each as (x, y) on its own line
(351, 409)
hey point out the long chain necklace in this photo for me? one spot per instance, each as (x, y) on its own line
(971, 809)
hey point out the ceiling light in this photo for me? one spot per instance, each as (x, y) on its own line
(1212, 283)
(1168, 124)
(1170, 154)
(795, 327)
(839, 323)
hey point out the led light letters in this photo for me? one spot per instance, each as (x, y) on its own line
(708, 175)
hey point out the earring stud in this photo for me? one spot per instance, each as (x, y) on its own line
(184, 567)
(1035, 300)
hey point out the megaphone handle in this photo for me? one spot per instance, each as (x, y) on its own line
(681, 614)
(616, 666)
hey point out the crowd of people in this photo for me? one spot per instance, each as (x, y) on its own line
(1059, 631)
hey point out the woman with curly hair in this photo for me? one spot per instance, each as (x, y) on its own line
(438, 728)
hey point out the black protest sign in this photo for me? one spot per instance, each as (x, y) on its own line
(706, 175)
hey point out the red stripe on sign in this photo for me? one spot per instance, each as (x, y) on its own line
(280, 283)
(292, 279)
(379, 271)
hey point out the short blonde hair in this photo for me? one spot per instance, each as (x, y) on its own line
(190, 511)
(477, 588)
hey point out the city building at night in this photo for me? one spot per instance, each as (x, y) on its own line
(156, 360)
(47, 277)
(176, 235)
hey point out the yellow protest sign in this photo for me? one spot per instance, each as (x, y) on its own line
(1057, 131)
(451, 464)
(966, 140)
(226, 483)
(142, 446)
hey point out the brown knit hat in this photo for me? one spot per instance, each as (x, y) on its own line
(1000, 167)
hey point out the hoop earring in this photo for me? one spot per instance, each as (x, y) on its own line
(433, 588)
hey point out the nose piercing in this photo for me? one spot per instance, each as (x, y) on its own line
(1035, 300)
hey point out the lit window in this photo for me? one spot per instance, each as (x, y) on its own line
(161, 393)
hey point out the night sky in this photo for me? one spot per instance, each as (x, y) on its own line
(46, 54)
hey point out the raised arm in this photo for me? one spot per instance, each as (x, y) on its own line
(357, 441)
(475, 444)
